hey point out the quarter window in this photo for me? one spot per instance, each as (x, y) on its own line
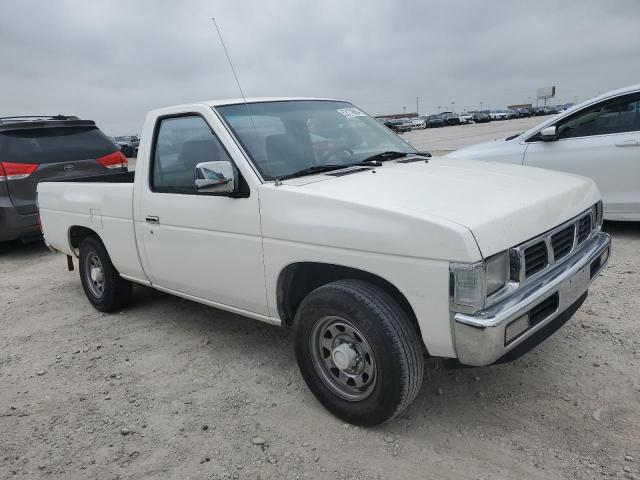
(182, 143)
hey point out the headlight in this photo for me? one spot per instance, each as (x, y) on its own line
(472, 284)
(497, 267)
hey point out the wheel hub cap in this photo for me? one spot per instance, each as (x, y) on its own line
(96, 274)
(344, 356)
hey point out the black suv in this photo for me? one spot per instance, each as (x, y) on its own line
(35, 148)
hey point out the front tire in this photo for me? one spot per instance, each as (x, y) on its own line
(358, 351)
(104, 287)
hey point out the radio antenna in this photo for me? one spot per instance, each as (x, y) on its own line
(244, 99)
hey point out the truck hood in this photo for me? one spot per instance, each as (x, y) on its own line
(502, 205)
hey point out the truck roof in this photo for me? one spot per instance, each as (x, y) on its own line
(233, 101)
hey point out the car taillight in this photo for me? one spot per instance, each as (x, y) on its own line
(114, 160)
(16, 171)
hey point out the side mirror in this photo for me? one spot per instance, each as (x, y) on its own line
(549, 134)
(215, 177)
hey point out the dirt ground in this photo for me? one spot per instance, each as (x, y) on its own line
(173, 389)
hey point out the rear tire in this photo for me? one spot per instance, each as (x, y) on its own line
(104, 287)
(358, 351)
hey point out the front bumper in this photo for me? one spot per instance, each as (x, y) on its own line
(481, 338)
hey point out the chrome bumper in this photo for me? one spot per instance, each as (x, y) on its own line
(480, 338)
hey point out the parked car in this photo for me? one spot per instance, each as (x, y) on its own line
(479, 117)
(465, 117)
(368, 257)
(417, 123)
(599, 138)
(398, 126)
(499, 115)
(523, 112)
(450, 118)
(45, 147)
(434, 121)
(128, 145)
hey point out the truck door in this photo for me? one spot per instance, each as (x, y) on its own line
(198, 244)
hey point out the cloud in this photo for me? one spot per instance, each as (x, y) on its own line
(112, 61)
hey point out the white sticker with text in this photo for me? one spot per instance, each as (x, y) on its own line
(351, 112)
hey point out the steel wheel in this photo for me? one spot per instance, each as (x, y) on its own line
(343, 358)
(94, 274)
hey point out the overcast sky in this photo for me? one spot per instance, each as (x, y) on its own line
(111, 61)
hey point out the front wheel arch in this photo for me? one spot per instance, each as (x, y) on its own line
(299, 279)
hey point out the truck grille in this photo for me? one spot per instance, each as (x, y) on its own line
(562, 242)
(542, 252)
(584, 228)
(535, 258)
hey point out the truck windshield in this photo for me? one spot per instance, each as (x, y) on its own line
(285, 137)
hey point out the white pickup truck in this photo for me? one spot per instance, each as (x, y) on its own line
(309, 214)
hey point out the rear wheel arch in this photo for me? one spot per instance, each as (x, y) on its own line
(77, 234)
(299, 279)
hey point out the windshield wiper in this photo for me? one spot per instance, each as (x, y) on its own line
(390, 155)
(314, 169)
(382, 156)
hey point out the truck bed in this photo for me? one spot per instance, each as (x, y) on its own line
(100, 203)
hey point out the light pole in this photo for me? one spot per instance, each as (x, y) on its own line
(439, 108)
(404, 110)
(452, 106)
(480, 106)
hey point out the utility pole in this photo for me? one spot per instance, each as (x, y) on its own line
(439, 108)
(480, 106)
(404, 110)
(417, 106)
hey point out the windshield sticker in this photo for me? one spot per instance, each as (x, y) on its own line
(351, 112)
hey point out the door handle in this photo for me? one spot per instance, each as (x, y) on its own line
(152, 219)
(630, 143)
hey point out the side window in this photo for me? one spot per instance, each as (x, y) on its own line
(618, 115)
(181, 143)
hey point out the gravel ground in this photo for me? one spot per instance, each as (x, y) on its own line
(173, 389)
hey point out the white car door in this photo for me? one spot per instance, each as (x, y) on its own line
(601, 141)
(197, 244)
